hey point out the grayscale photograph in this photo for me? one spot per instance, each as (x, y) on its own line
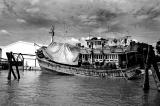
(79, 52)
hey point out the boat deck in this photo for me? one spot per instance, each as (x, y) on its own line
(71, 70)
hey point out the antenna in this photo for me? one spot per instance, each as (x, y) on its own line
(52, 32)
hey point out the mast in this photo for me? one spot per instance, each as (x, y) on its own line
(52, 32)
(92, 53)
(91, 44)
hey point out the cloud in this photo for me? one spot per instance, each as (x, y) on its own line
(33, 2)
(74, 40)
(84, 16)
(33, 10)
(3, 31)
(20, 20)
(38, 20)
(104, 15)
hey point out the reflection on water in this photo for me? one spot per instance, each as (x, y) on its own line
(46, 89)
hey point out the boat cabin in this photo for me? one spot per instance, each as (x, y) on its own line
(96, 42)
(115, 55)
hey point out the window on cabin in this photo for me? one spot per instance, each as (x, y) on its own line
(86, 57)
(113, 56)
(106, 56)
(101, 56)
(95, 43)
(99, 42)
(95, 56)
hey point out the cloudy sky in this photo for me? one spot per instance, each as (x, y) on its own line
(30, 20)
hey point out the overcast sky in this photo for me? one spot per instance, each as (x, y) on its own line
(30, 20)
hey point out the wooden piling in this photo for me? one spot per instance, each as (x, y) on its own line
(155, 71)
(146, 80)
(151, 60)
(16, 65)
(146, 75)
(9, 56)
(12, 62)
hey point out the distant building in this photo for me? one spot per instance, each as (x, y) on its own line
(24, 48)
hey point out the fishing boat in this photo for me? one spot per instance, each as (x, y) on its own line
(98, 59)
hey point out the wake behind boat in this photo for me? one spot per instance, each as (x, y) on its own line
(98, 59)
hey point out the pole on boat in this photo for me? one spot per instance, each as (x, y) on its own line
(92, 52)
(52, 32)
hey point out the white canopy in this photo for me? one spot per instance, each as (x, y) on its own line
(63, 53)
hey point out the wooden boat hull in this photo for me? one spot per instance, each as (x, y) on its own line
(79, 71)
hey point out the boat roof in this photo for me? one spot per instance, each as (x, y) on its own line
(105, 51)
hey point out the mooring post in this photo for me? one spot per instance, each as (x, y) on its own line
(147, 66)
(155, 71)
(9, 73)
(151, 60)
(23, 64)
(9, 56)
(16, 65)
(146, 79)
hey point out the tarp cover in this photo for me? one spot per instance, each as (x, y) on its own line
(63, 53)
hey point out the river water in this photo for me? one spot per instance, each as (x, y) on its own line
(36, 88)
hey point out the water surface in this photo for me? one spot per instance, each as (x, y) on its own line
(36, 88)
